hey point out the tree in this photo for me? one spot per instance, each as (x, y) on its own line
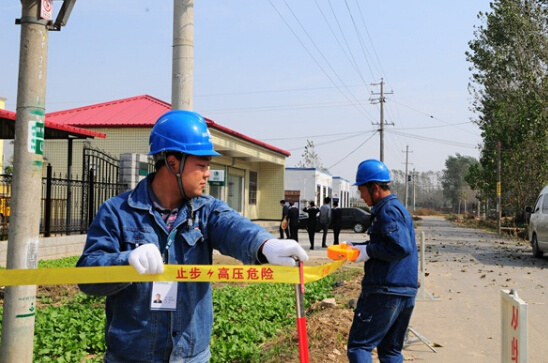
(509, 85)
(310, 159)
(424, 189)
(455, 187)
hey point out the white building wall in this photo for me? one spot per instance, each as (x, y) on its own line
(313, 184)
(341, 191)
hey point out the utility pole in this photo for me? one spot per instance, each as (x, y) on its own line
(414, 178)
(407, 177)
(381, 100)
(182, 81)
(24, 228)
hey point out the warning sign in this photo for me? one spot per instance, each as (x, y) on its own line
(46, 9)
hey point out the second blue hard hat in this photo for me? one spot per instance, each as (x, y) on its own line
(372, 170)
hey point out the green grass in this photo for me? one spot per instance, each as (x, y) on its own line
(245, 317)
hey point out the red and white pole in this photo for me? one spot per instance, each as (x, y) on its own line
(301, 318)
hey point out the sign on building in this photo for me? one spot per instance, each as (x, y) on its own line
(217, 177)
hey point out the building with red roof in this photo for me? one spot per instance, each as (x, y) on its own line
(249, 174)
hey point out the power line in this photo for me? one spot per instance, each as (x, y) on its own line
(351, 61)
(362, 110)
(424, 138)
(350, 153)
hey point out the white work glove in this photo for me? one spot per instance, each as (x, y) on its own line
(284, 252)
(363, 256)
(147, 259)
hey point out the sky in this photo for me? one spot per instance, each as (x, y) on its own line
(280, 71)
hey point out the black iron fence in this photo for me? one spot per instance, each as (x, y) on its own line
(68, 205)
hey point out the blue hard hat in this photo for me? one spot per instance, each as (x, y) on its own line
(182, 131)
(372, 170)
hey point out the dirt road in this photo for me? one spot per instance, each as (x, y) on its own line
(467, 269)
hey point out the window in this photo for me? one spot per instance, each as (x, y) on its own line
(545, 204)
(252, 187)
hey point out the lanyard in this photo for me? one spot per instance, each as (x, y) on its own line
(170, 240)
(173, 234)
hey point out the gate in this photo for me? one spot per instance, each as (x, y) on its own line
(100, 180)
(68, 205)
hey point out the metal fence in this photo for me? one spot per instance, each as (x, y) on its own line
(68, 205)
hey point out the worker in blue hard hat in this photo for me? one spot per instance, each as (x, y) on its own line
(166, 219)
(390, 281)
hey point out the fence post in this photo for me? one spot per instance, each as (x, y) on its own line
(68, 223)
(47, 206)
(91, 195)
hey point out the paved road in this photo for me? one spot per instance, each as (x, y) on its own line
(467, 269)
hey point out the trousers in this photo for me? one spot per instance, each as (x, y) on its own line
(381, 321)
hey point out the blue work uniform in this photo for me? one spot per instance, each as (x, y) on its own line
(389, 285)
(134, 332)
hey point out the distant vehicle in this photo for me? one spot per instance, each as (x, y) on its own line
(352, 218)
(537, 229)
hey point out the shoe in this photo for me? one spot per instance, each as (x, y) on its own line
(311, 248)
(324, 246)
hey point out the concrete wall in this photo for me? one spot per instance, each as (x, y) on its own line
(52, 247)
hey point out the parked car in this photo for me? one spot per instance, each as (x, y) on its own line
(537, 230)
(352, 218)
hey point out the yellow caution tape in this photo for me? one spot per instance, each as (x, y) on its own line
(180, 273)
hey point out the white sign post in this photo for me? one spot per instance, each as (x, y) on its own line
(514, 327)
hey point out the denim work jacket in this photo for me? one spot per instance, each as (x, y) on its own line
(134, 332)
(393, 267)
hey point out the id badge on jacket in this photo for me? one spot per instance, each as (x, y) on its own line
(164, 296)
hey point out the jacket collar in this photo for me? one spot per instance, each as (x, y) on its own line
(139, 199)
(381, 203)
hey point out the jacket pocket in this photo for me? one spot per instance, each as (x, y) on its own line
(193, 236)
(137, 236)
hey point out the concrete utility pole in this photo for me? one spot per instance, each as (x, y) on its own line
(381, 100)
(406, 174)
(414, 178)
(182, 79)
(24, 228)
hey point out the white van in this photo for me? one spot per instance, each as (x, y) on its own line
(538, 224)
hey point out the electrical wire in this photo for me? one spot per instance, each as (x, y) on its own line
(353, 151)
(363, 111)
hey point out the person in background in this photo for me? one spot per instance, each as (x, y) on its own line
(285, 209)
(312, 212)
(336, 218)
(390, 280)
(293, 218)
(166, 219)
(325, 219)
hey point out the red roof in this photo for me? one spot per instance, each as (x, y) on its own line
(53, 130)
(139, 111)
